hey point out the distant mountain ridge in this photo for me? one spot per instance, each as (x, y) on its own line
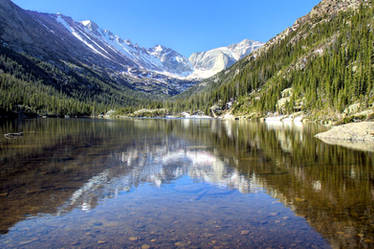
(62, 41)
(167, 61)
(159, 58)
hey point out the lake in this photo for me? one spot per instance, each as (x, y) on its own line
(81, 183)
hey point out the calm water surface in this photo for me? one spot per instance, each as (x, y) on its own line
(181, 184)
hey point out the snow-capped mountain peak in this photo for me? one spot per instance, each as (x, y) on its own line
(90, 25)
(159, 51)
(207, 64)
(158, 48)
(158, 59)
(164, 60)
(86, 23)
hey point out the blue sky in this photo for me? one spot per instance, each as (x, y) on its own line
(185, 25)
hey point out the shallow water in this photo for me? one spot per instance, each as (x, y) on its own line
(181, 184)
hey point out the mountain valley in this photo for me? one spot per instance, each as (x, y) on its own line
(320, 67)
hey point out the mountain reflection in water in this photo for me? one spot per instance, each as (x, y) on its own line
(160, 165)
(183, 183)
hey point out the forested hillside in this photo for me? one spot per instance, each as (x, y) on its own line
(320, 65)
(47, 68)
(38, 87)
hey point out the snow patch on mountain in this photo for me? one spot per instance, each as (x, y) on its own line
(84, 38)
(61, 20)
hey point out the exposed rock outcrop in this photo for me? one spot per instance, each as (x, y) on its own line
(358, 136)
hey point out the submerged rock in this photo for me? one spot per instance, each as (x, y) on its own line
(145, 246)
(13, 135)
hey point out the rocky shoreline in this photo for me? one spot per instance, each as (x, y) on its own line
(359, 136)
